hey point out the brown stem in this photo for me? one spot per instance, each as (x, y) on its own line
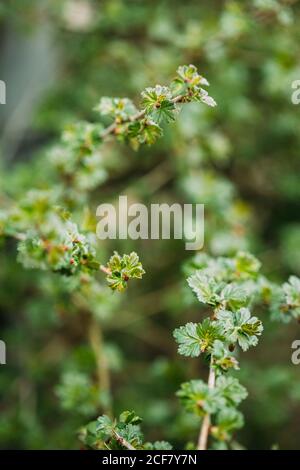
(203, 435)
(105, 270)
(103, 376)
(123, 441)
(111, 129)
(137, 117)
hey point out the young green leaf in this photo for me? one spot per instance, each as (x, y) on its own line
(206, 288)
(158, 104)
(121, 109)
(196, 338)
(187, 83)
(240, 327)
(227, 421)
(198, 398)
(223, 359)
(231, 390)
(291, 291)
(120, 269)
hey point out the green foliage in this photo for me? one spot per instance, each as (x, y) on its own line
(124, 433)
(78, 394)
(231, 390)
(224, 359)
(197, 398)
(158, 445)
(284, 300)
(246, 265)
(194, 339)
(77, 160)
(120, 109)
(122, 269)
(231, 287)
(126, 428)
(58, 244)
(158, 103)
(210, 292)
(228, 420)
(240, 327)
(48, 239)
(242, 166)
(145, 131)
(291, 291)
(64, 250)
(188, 84)
(206, 288)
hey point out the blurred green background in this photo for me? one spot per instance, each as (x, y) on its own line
(240, 159)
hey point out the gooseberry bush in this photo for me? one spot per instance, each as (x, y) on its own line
(231, 288)
(55, 232)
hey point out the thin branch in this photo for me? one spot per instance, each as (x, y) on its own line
(103, 376)
(204, 431)
(105, 133)
(123, 441)
(112, 128)
(18, 236)
(105, 270)
(136, 117)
